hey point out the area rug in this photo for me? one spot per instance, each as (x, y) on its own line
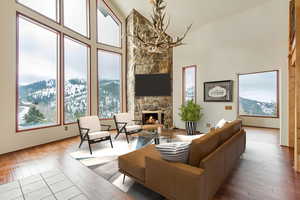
(104, 162)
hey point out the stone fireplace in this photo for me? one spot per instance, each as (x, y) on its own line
(142, 62)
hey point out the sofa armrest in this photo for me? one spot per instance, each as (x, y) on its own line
(175, 180)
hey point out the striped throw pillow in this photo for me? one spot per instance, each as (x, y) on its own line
(174, 152)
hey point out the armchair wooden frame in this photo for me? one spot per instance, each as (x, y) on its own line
(84, 136)
(121, 128)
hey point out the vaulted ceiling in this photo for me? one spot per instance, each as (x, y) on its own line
(184, 12)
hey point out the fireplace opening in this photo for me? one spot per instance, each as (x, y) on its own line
(153, 118)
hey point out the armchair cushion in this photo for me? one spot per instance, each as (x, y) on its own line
(90, 122)
(98, 135)
(132, 128)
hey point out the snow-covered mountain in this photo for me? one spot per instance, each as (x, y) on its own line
(43, 95)
(254, 107)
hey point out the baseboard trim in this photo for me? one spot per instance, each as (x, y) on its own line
(34, 146)
(251, 126)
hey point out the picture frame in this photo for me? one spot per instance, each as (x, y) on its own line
(218, 91)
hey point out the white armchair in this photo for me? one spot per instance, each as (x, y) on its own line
(91, 131)
(126, 124)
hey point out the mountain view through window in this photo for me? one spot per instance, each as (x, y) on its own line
(37, 75)
(109, 73)
(258, 94)
(54, 67)
(76, 57)
(189, 83)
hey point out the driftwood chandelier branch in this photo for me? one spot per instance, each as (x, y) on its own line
(158, 41)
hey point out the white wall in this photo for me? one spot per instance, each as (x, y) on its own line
(9, 139)
(251, 41)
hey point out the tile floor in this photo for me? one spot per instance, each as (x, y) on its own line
(51, 185)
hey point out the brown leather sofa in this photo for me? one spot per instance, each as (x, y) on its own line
(211, 159)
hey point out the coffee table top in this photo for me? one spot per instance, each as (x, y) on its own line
(152, 126)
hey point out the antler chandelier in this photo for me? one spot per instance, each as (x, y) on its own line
(158, 41)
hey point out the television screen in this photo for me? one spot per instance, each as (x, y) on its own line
(153, 85)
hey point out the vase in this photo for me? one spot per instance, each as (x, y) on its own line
(191, 127)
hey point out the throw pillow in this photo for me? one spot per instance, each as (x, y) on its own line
(174, 152)
(221, 123)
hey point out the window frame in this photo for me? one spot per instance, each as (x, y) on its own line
(58, 11)
(59, 28)
(184, 82)
(277, 95)
(88, 19)
(58, 74)
(89, 65)
(116, 19)
(121, 82)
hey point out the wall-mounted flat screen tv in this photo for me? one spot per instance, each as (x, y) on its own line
(153, 85)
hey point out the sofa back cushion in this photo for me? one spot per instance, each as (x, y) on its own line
(228, 130)
(201, 147)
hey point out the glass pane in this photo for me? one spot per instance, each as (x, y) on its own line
(189, 85)
(37, 75)
(76, 16)
(109, 73)
(45, 7)
(258, 94)
(109, 29)
(76, 72)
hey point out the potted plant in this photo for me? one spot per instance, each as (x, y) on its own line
(190, 113)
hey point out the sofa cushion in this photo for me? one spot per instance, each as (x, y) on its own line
(229, 130)
(201, 147)
(134, 163)
(221, 123)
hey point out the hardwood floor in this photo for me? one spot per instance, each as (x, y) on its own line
(264, 173)
(55, 155)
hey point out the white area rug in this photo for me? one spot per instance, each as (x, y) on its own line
(102, 152)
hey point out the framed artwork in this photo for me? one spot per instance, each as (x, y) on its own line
(218, 91)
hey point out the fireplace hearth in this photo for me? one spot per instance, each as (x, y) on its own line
(152, 117)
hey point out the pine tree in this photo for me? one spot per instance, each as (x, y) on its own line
(34, 115)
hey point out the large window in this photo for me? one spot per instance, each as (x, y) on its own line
(109, 27)
(54, 66)
(189, 83)
(109, 78)
(37, 75)
(76, 15)
(49, 8)
(258, 94)
(76, 58)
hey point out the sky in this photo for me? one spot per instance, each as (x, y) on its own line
(260, 86)
(38, 46)
(46, 7)
(190, 77)
(111, 63)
